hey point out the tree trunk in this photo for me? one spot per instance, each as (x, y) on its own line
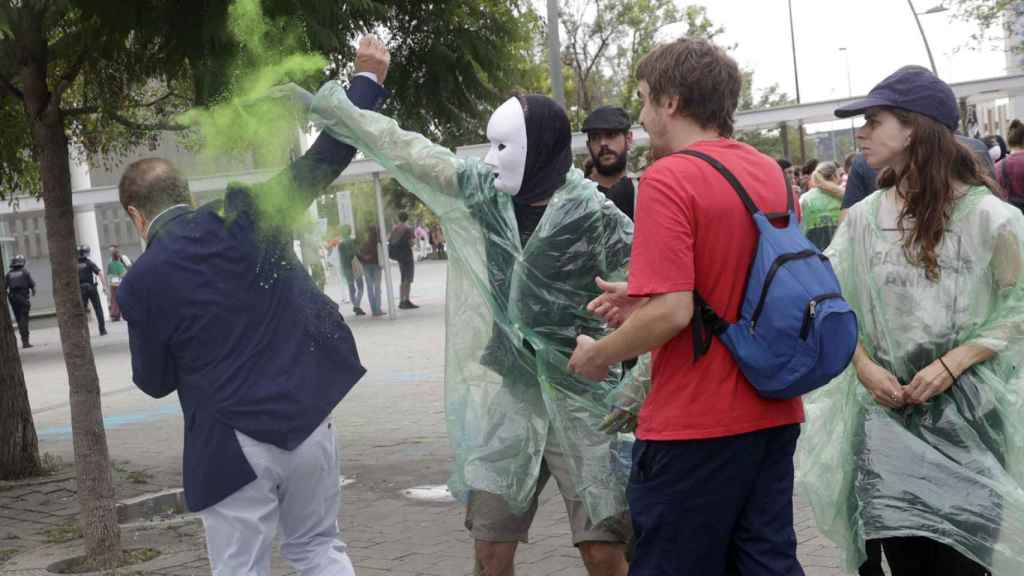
(98, 516)
(19, 447)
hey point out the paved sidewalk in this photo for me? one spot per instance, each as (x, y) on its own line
(391, 435)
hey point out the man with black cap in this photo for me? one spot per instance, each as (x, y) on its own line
(608, 139)
(19, 284)
(527, 234)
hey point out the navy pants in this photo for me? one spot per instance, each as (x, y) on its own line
(715, 507)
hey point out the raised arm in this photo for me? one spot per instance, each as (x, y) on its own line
(427, 170)
(297, 186)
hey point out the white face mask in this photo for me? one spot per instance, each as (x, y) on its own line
(995, 152)
(506, 130)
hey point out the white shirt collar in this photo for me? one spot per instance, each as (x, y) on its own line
(162, 212)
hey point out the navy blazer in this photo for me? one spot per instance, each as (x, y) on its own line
(220, 310)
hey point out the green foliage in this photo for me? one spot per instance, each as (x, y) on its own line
(137, 66)
(605, 41)
(270, 54)
(454, 61)
(987, 14)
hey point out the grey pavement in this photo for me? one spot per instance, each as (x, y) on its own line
(391, 434)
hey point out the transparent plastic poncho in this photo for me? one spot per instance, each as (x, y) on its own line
(950, 469)
(513, 314)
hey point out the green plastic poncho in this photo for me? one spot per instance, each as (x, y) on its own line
(951, 469)
(513, 314)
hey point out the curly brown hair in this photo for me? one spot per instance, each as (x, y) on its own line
(935, 163)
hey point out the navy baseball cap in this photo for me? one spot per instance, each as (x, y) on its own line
(911, 88)
(607, 119)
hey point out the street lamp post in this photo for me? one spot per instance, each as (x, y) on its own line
(849, 94)
(924, 37)
(555, 53)
(796, 79)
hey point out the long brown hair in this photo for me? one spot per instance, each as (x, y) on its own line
(935, 161)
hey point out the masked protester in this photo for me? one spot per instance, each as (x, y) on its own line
(19, 285)
(526, 235)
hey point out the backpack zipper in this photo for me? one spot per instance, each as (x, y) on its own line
(771, 276)
(812, 311)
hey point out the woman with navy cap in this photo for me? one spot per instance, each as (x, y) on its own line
(920, 443)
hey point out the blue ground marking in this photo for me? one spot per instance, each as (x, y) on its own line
(118, 421)
(111, 422)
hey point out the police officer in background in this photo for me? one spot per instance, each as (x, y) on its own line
(87, 273)
(608, 139)
(19, 285)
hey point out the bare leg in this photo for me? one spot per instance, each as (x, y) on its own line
(495, 558)
(604, 558)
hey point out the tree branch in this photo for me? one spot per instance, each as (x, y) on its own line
(11, 89)
(71, 75)
(80, 111)
(86, 110)
(143, 127)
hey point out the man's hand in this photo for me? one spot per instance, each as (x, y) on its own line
(585, 360)
(372, 56)
(615, 305)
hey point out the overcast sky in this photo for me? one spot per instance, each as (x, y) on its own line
(879, 35)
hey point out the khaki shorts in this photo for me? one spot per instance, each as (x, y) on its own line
(489, 519)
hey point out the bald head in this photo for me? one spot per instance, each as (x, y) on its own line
(152, 185)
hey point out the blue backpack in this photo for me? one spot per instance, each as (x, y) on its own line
(796, 332)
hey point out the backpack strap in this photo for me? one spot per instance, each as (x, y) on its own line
(721, 169)
(706, 323)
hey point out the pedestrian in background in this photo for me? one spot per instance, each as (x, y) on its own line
(20, 288)
(116, 269)
(369, 256)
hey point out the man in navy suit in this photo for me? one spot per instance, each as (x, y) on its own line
(220, 311)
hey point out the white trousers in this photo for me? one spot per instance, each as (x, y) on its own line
(298, 491)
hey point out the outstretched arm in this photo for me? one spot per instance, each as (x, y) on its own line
(295, 188)
(429, 171)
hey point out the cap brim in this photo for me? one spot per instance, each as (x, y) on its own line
(858, 107)
(589, 129)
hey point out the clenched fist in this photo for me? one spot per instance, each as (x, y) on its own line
(372, 56)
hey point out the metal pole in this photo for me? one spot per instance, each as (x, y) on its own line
(555, 54)
(924, 37)
(784, 134)
(382, 252)
(796, 79)
(849, 94)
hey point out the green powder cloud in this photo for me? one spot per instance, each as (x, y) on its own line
(246, 120)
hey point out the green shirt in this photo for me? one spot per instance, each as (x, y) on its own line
(116, 269)
(820, 216)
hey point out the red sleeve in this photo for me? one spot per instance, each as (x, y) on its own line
(662, 257)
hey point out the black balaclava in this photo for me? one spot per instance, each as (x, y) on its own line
(548, 150)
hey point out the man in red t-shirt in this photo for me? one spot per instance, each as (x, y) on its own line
(711, 490)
